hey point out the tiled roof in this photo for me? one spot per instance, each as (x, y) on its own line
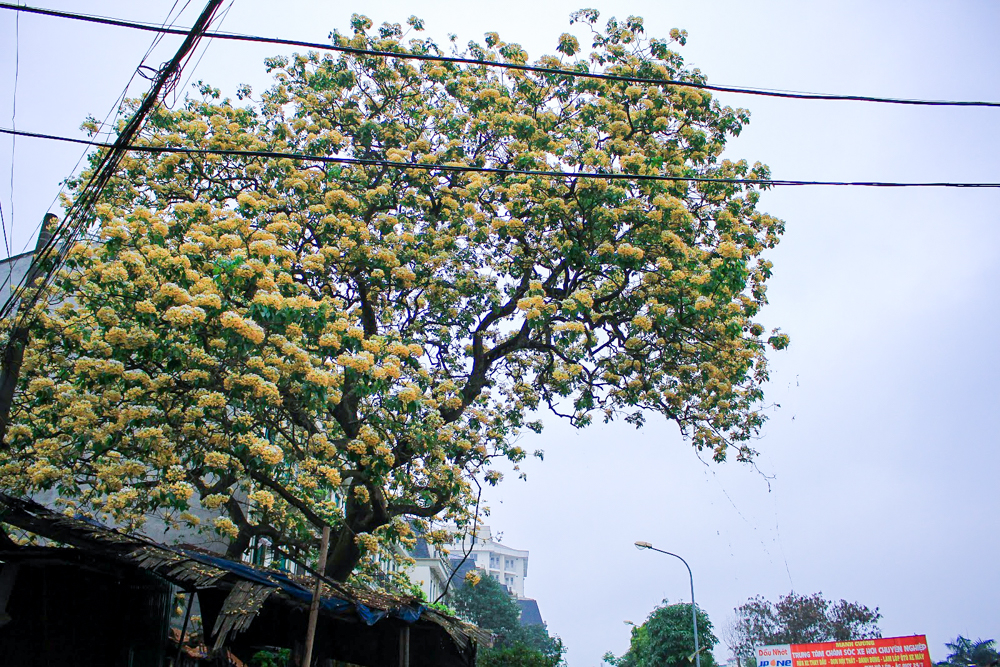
(462, 568)
(420, 549)
(530, 614)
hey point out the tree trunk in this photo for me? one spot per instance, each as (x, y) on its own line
(344, 556)
(360, 516)
(13, 353)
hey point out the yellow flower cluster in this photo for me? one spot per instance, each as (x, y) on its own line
(576, 327)
(409, 394)
(729, 250)
(361, 362)
(145, 307)
(212, 399)
(214, 501)
(263, 498)
(630, 251)
(367, 542)
(184, 316)
(225, 526)
(643, 322)
(266, 452)
(217, 460)
(260, 387)
(244, 327)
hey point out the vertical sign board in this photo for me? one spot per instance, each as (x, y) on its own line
(775, 656)
(882, 652)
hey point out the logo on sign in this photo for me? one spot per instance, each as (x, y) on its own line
(774, 656)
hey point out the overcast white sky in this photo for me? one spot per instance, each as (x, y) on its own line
(878, 479)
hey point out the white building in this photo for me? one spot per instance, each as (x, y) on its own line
(430, 570)
(507, 565)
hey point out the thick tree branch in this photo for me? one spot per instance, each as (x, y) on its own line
(368, 319)
(285, 494)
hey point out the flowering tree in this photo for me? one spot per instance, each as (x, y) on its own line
(290, 343)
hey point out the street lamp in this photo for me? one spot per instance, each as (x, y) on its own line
(694, 615)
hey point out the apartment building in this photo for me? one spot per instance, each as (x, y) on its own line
(507, 565)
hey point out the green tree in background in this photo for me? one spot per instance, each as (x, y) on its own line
(799, 619)
(488, 604)
(537, 637)
(517, 655)
(666, 639)
(966, 652)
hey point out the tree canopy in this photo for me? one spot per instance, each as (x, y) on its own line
(285, 343)
(484, 601)
(800, 619)
(965, 652)
(666, 639)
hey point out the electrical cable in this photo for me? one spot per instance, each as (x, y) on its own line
(610, 176)
(222, 19)
(472, 544)
(4, 225)
(115, 108)
(13, 124)
(142, 69)
(79, 213)
(505, 65)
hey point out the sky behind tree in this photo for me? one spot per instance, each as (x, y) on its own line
(877, 479)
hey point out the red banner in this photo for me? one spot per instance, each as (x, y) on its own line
(885, 652)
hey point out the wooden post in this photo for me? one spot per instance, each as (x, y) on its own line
(184, 628)
(324, 546)
(404, 646)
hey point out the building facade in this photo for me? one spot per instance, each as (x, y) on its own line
(430, 570)
(507, 565)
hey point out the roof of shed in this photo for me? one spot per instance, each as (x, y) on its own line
(248, 587)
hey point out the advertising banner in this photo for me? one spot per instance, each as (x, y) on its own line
(884, 652)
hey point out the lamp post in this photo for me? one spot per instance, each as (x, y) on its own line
(694, 613)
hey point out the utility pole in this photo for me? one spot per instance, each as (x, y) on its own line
(76, 219)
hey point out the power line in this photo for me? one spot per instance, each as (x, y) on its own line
(512, 66)
(3, 224)
(616, 176)
(79, 213)
(47, 260)
(222, 18)
(13, 124)
(116, 108)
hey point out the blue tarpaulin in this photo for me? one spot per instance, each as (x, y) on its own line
(407, 614)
